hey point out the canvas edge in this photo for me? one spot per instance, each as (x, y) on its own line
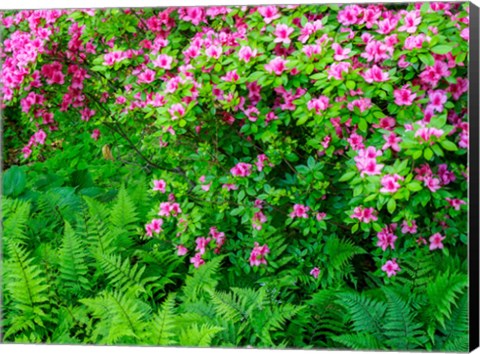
(474, 275)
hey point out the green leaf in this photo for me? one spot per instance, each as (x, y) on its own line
(14, 181)
(448, 145)
(391, 205)
(347, 176)
(428, 153)
(414, 186)
(427, 59)
(350, 85)
(442, 49)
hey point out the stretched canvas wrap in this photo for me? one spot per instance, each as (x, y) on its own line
(264, 176)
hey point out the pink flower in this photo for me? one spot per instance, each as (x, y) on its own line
(315, 272)
(391, 142)
(340, 53)
(182, 250)
(231, 76)
(350, 15)
(163, 61)
(336, 70)
(321, 216)
(176, 110)
(87, 113)
(386, 238)
(277, 66)
(95, 134)
(159, 185)
(455, 203)
(258, 219)
(168, 208)
(377, 51)
(261, 161)
(432, 183)
(412, 19)
(445, 175)
(230, 186)
(202, 243)
(356, 141)
(365, 215)
(299, 211)
(437, 99)
(197, 260)
(436, 241)
(214, 52)
(406, 228)
(318, 104)
(39, 137)
(282, 33)
(246, 53)
(426, 133)
(219, 237)
(146, 77)
(269, 13)
(241, 169)
(404, 96)
(157, 225)
(27, 151)
(257, 256)
(391, 267)
(375, 74)
(390, 183)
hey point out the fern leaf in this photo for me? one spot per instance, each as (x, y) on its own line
(163, 324)
(359, 341)
(123, 213)
(203, 280)
(16, 214)
(195, 336)
(73, 266)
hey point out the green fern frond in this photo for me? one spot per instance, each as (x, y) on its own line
(359, 341)
(195, 336)
(16, 216)
(401, 328)
(203, 280)
(456, 327)
(122, 275)
(123, 214)
(161, 330)
(366, 313)
(73, 265)
(28, 293)
(122, 318)
(443, 293)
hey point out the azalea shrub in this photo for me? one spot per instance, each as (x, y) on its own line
(269, 176)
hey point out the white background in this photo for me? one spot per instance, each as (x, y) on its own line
(49, 4)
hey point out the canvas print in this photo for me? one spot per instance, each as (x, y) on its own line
(278, 176)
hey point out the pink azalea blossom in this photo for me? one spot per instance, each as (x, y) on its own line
(315, 272)
(182, 250)
(356, 141)
(214, 52)
(197, 260)
(39, 137)
(299, 211)
(95, 134)
(446, 176)
(406, 228)
(258, 219)
(336, 70)
(426, 133)
(340, 53)
(411, 20)
(159, 185)
(404, 96)
(202, 243)
(437, 99)
(432, 183)
(391, 268)
(455, 203)
(176, 110)
(282, 33)
(390, 183)
(230, 187)
(436, 241)
(386, 238)
(231, 76)
(318, 104)
(146, 77)
(269, 13)
(392, 142)
(375, 74)
(246, 53)
(219, 237)
(365, 215)
(163, 61)
(257, 256)
(321, 216)
(241, 169)
(277, 66)
(261, 159)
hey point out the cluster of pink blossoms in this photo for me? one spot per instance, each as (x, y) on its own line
(390, 183)
(169, 208)
(257, 256)
(386, 237)
(241, 169)
(363, 214)
(366, 161)
(391, 267)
